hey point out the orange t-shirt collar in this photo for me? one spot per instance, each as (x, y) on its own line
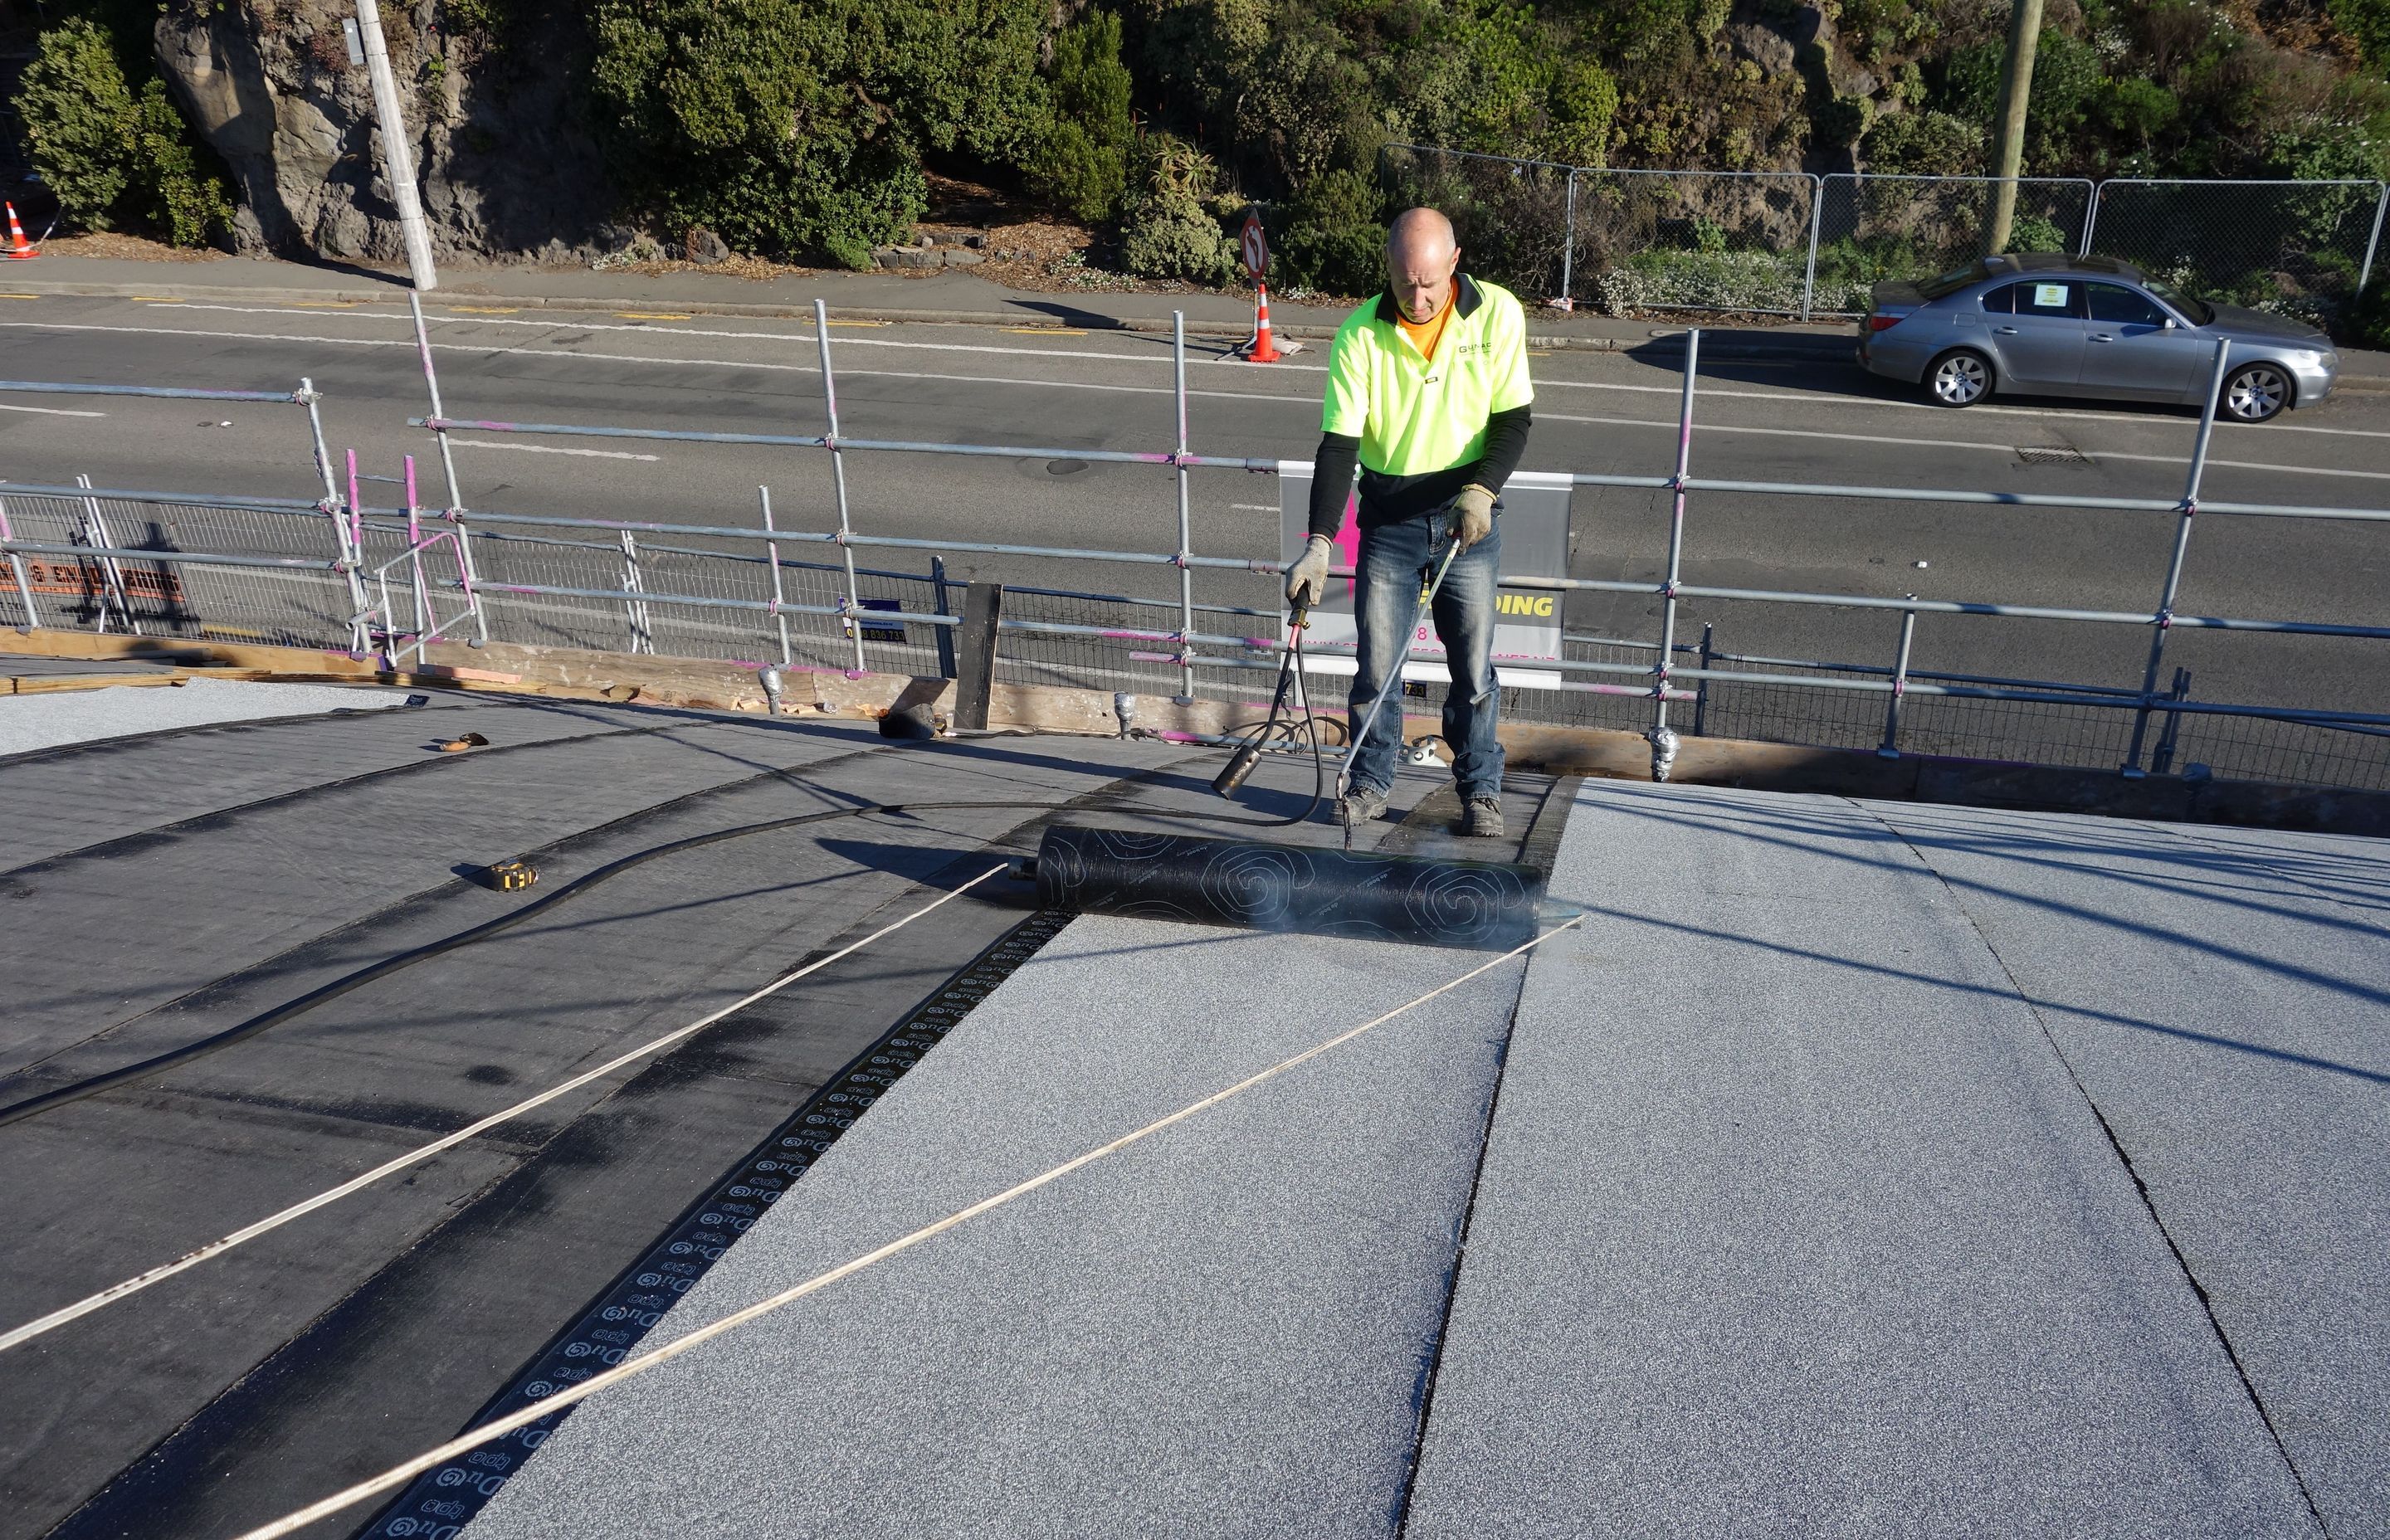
(1425, 335)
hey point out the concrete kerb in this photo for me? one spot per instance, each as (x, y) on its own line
(1800, 347)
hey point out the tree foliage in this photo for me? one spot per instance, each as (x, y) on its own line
(2182, 88)
(1334, 235)
(1081, 158)
(116, 155)
(796, 128)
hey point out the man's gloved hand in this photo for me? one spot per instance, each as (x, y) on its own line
(1306, 581)
(1472, 515)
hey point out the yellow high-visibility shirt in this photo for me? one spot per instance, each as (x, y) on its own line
(1415, 415)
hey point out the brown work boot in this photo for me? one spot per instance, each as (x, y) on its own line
(1483, 818)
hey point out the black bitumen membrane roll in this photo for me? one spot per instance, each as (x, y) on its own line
(1486, 905)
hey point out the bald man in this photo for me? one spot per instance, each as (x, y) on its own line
(1428, 393)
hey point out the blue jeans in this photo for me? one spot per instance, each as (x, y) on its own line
(1395, 560)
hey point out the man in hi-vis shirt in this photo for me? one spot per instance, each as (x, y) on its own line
(1428, 391)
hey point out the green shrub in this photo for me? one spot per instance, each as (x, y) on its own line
(483, 18)
(1715, 280)
(172, 192)
(1843, 120)
(2033, 233)
(78, 122)
(796, 128)
(1166, 232)
(1335, 238)
(114, 156)
(2368, 21)
(2140, 109)
(2364, 321)
(1849, 267)
(1081, 160)
(1924, 144)
(1584, 103)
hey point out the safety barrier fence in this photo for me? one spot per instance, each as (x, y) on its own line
(728, 590)
(1798, 244)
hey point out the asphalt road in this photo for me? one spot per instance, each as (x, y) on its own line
(1595, 412)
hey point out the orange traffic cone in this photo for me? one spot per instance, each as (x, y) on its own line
(1261, 350)
(19, 248)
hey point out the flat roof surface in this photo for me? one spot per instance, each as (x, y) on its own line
(1851, 1168)
(1854, 1168)
(165, 884)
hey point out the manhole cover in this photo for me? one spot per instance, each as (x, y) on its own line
(1065, 468)
(2051, 454)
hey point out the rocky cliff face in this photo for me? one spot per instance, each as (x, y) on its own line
(506, 161)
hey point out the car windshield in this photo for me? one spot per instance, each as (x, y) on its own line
(2200, 312)
(1950, 283)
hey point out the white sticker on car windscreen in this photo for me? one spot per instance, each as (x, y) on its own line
(2049, 296)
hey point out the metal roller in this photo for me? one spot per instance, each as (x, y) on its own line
(1490, 905)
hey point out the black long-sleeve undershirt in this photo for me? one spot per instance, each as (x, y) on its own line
(1391, 499)
(1331, 478)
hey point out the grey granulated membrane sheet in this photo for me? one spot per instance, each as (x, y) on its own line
(1793, 1223)
(29, 721)
(1223, 1330)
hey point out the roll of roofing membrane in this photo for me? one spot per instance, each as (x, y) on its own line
(1485, 905)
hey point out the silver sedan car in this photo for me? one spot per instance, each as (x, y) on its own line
(2039, 324)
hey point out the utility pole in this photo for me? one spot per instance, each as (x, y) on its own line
(397, 165)
(2016, 90)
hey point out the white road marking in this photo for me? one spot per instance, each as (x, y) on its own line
(546, 449)
(1707, 392)
(51, 411)
(517, 350)
(556, 323)
(1270, 396)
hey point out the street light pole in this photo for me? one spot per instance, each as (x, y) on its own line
(397, 165)
(2016, 90)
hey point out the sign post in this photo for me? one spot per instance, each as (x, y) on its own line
(1255, 249)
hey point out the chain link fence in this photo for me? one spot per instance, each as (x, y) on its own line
(1788, 243)
(2303, 248)
(1692, 240)
(1873, 228)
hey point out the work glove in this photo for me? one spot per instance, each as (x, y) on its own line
(1306, 581)
(1472, 515)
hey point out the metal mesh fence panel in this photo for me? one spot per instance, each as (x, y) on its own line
(2040, 732)
(2298, 249)
(1872, 228)
(1126, 646)
(294, 607)
(543, 619)
(65, 590)
(1692, 240)
(1090, 662)
(1512, 215)
(667, 576)
(2266, 749)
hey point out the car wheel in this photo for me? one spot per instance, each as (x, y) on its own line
(2256, 393)
(1959, 379)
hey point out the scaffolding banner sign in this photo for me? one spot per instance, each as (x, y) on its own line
(1534, 525)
